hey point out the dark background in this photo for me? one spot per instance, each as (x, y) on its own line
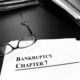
(46, 21)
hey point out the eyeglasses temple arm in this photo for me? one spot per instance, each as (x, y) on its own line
(25, 24)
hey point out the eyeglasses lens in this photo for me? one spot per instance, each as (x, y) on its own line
(26, 41)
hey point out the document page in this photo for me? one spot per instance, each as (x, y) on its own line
(49, 59)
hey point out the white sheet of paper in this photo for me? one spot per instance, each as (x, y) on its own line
(39, 61)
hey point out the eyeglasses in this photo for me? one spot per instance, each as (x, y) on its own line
(24, 42)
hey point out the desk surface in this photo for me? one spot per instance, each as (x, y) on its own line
(45, 23)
